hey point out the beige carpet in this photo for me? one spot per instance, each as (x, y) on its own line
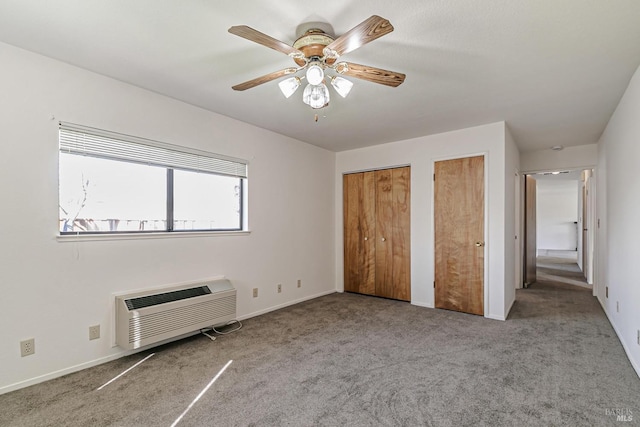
(560, 267)
(352, 360)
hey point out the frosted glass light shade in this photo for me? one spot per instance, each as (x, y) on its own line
(289, 86)
(316, 96)
(342, 86)
(315, 75)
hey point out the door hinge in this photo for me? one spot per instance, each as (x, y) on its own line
(434, 284)
(434, 176)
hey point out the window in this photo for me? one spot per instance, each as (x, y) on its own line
(113, 183)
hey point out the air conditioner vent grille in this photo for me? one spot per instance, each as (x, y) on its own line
(152, 316)
(150, 325)
(151, 300)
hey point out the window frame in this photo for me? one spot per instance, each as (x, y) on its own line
(187, 159)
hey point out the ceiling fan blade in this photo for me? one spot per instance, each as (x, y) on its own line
(368, 30)
(265, 40)
(372, 74)
(264, 79)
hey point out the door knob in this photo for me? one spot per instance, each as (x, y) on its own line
(479, 244)
(366, 238)
(383, 239)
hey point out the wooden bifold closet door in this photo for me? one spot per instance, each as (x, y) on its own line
(377, 257)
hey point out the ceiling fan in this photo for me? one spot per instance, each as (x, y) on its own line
(317, 54)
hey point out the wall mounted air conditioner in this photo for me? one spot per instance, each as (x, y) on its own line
(154, 315)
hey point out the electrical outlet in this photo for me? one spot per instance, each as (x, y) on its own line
(27, 347)
(299, 283)
(279, 287)
(255, 292)
(94, 332)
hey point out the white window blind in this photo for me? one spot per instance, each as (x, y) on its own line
(86, 141)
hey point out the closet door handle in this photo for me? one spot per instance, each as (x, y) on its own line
(366, 238)
(383, 239)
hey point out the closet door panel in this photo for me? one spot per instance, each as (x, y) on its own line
(384, 235)
(352, 194)
(400, 233)
(359, 232)
(368, 227)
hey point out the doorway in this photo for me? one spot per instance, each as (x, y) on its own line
(562, 206)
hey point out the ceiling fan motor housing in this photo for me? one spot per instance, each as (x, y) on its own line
(311, 44)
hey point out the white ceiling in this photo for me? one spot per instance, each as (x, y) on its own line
(554, 70)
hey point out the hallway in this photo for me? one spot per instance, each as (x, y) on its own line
(560, 267)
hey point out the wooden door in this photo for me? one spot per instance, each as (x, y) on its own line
(459, 234)
(530, 247)
(359, 232)
(393, 237)
(377, 235)
(384, 244)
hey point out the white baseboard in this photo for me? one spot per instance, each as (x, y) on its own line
(635, 364)
(63, 372)
(286, 304)
(100, 361)
(488, 316)
(513, 301)
(422, 304)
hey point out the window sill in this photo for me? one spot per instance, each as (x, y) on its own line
(142, 236)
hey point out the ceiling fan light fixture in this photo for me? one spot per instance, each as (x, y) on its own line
(341, 85)
(317, 50)
(289, 86)
(315, 74)
(316, 96)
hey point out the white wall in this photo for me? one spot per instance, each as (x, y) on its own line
(421, 153)
(581, 221)
(578, 157)
(53, 291)
(591, 224)
(512, 266)
(556, 211)
(618, 209)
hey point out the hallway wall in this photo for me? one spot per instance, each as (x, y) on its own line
(618, 210)
(557, 212)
